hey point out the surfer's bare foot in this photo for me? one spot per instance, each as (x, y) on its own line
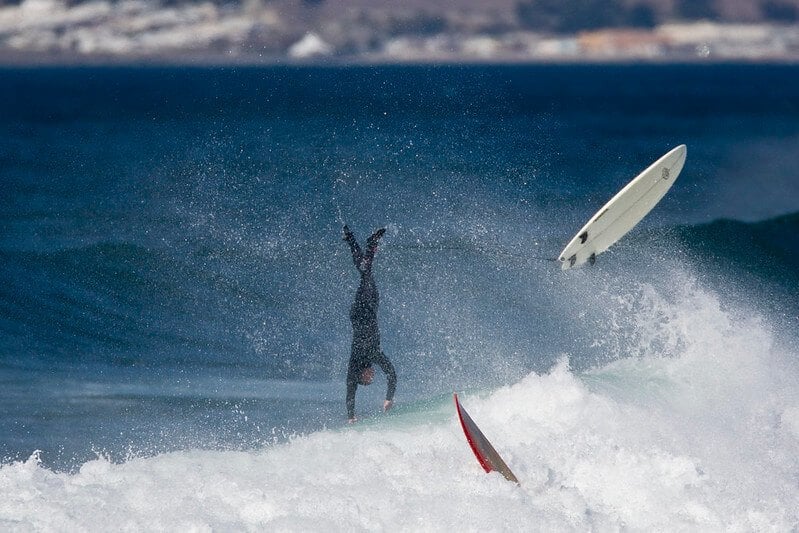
(387, 405)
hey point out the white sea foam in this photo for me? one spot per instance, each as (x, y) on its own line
(701, 436)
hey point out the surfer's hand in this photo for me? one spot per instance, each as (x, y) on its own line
(387, 405)
(352, 420)
(347, 233)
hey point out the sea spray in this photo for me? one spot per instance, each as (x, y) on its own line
(700, 439)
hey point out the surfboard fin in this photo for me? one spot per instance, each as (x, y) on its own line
(572, 260)
(592, 259)
(583, 237)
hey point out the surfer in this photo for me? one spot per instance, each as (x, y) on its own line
(365, 334)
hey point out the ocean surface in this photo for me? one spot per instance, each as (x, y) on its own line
(174, 298)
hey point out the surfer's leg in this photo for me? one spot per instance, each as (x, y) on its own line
(371, 243)
(357, 255)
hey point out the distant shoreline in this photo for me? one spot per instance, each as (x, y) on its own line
(131, 32)
(24, 61)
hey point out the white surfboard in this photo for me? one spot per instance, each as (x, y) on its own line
(624, 210)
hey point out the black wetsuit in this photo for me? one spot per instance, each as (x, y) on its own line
(363, 314)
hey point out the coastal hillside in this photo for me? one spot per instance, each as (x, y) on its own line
(384, 31)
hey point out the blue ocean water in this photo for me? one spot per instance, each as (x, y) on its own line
(173, 280)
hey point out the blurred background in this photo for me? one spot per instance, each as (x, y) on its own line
(382, 31)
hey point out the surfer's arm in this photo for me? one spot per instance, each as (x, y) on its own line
(391, 378)
(352, 385)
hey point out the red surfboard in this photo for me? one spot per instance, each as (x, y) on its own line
(486, 455)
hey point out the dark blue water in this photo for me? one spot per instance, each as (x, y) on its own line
(170, 255)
